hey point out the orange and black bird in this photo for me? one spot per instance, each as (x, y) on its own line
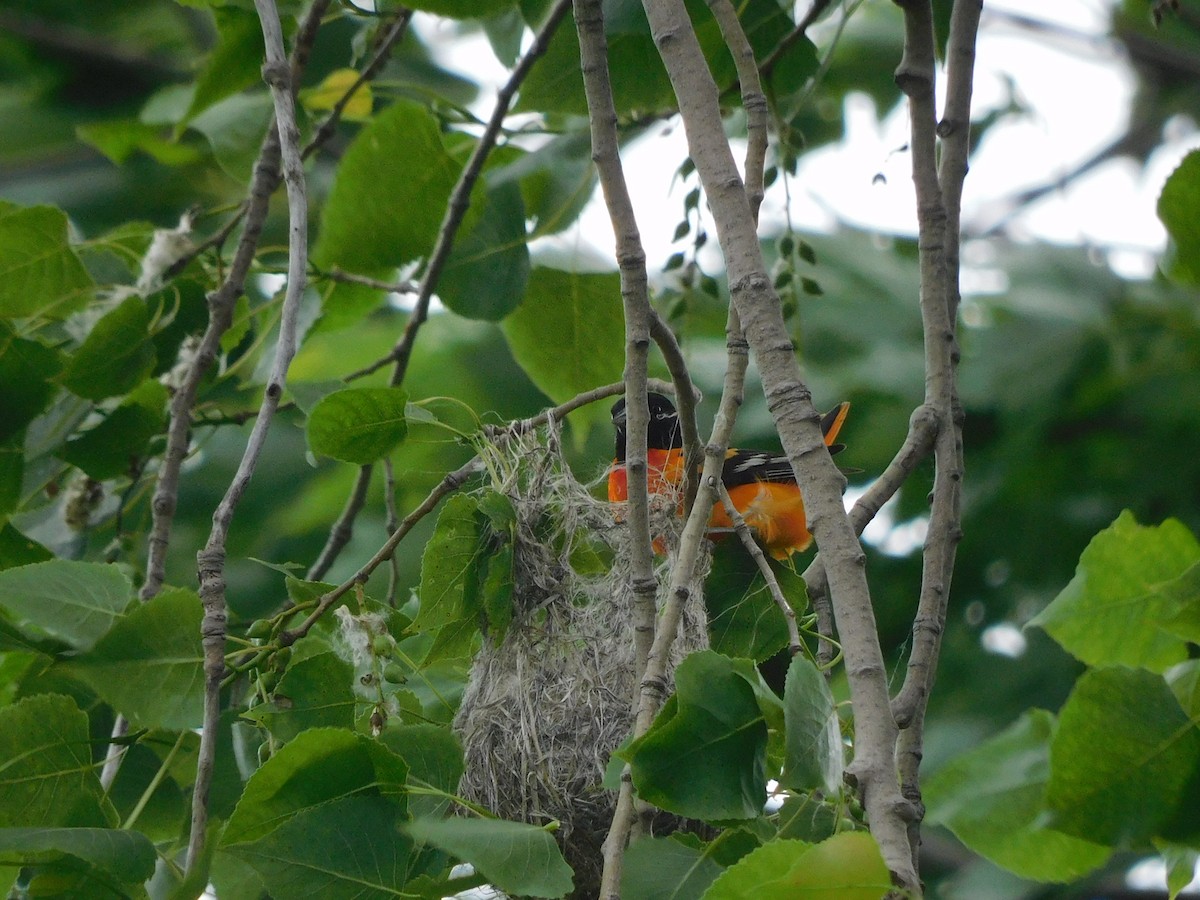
(760, 484)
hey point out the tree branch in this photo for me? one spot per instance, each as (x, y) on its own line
(210, 561)
(798, 423)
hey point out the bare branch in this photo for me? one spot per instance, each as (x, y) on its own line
(343, 528)
(798, 423)
(210, 561)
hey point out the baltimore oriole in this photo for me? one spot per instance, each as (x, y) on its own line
(761, 485)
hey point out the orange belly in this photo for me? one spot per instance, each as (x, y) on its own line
(774, 511)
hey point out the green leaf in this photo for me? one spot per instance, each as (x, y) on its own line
(517, 858)
(127, 856)
(116, 356)
(120, 139)
(46, 774)
(813, 758)
(12, 475)
(1112, 610)
(391, 188)
(1177, 206)
(847, 866)
(434, 758)
(569, 334)
(109, 449)
(235, 62)
(1125, 762)
(76, 602)
(993, 797)
(358, 425)
(666, 869)
(1181, 865)
(149, 666)
(234, 128)
(315, 691)
(317, 767)
(486, 272)
(705, 754)
(449, 565)
(26, 387)
(556, 180)
(349, 847)
(40, 275)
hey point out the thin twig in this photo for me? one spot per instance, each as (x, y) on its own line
(210, 561)
(760, 560)
(392, 523)
(343, 528)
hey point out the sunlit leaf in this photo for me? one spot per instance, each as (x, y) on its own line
(39, 271)
(845, 867)
(333, 88)
(1177, 205)
(1112, 611)
(814, 756)
(358, 425)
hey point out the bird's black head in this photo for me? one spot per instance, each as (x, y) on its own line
(663, 431)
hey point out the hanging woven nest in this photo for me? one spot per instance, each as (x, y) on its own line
(546, 705)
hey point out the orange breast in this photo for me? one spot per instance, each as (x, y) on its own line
(664, 472)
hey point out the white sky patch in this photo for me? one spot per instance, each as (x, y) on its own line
(1004, 639)
(884, 533)
(1151, 875)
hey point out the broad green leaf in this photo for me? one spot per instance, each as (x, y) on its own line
(125, 855)
(449, 565)
(316, 691)
(505, 30)
(120, 139)
(666, 869)
(517, 858)
(320, 765)
(993, 797)
(705, 754)
(1125, 762)
(1112, 611)
(46, 774)
(847, 866)
(435, 759)
(486, 273)
(110, 448)
(349, 847)
(809, 818)
(76, 602)
(149, 666)
(391, 189)
(40, 275)
(1177, 205)
(1182, 602)
(463, 9)
(1181, 863)
(234, 64)
(358, 425)
(26, 388)
(556, 180)
(329, 93)
(234, 128)
(116, 356)
(569, 334)
(813, 757)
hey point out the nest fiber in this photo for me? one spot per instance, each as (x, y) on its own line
(547, 704)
